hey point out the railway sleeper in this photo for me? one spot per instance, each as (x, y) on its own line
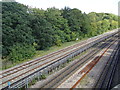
(62, 61)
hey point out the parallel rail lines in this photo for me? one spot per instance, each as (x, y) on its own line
(35, 62)
(49, 55)
(107, 74)
(39, 60)
(68, 71)
(87, 69)
(40, 66)
(26, 69)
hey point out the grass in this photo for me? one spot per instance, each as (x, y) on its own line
(55, 48)
(8, 64)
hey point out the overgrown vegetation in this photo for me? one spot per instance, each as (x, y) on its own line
(21, 52)
(27, 30)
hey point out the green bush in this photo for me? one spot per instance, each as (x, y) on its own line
(43, 76)
(20, 52)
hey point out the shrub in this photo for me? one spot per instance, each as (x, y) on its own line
(20, 52)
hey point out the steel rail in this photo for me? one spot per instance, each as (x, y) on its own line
(97, 59)
(40, 65)
(37, 61)
(40, 58)
(77, 64)
(104, 81)
(20, 75)
(113, 72)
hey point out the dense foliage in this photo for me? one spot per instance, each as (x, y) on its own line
(21, 52)
(26, 29)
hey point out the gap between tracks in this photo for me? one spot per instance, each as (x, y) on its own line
(90, 66)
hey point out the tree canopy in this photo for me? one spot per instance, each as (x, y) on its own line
(27, 29)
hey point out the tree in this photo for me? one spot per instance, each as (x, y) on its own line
(106, 25)
(25, 27)
(42, 32)
(74, 17)
(113, 24)
(15, 26)
(59, 24)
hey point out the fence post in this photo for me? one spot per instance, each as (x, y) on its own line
(27, 83)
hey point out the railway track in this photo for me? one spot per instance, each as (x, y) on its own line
(116, 77)
(20, 72)
(27, 65)
(33, 62)
(18, 68)
(55, 82)
(107, 75)
(32, 69)
(30, 63)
